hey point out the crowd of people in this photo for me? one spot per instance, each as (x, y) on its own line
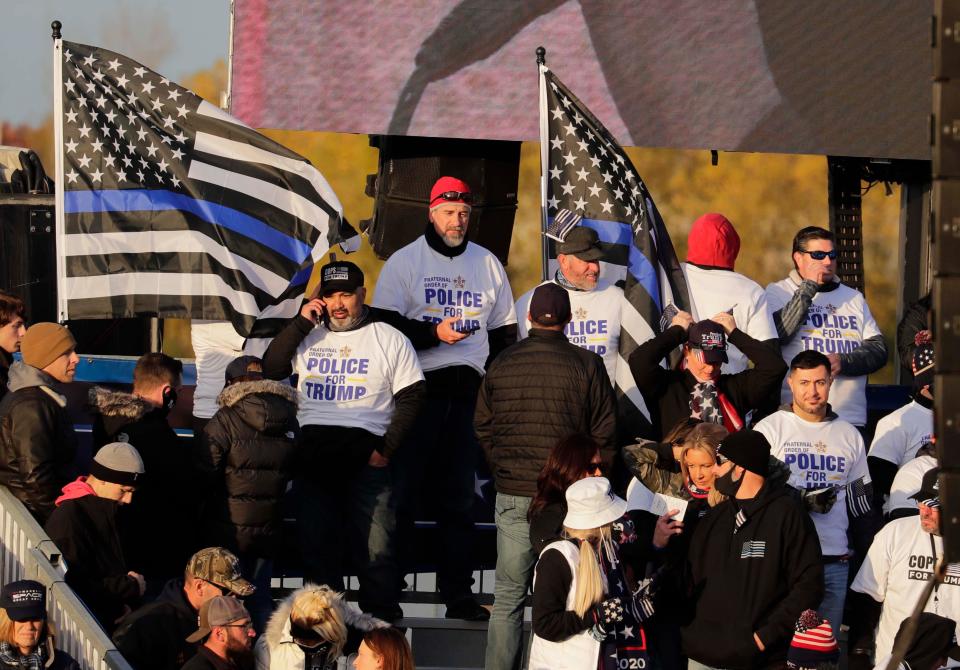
(770, 516)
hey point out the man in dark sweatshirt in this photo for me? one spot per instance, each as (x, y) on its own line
(698, 389)
(154, 637)
(754, 563)
(84, 528)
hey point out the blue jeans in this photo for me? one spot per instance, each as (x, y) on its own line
(349, 521)
(259, 572)
(834, 593)
(515, 562)
(438, 463)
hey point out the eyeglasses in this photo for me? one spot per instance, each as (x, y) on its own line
(819, 255)
(454, 195)
(245, 626)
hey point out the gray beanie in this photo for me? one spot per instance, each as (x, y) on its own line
(117, 463)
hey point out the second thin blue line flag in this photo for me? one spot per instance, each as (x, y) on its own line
(585, 171)
(170, 207)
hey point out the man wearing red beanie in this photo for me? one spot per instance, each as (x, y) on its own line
(462, 288)
(37, 441)
(712, 249)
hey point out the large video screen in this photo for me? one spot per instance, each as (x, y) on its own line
(839, 77)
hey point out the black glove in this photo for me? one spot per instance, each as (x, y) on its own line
(820, 500)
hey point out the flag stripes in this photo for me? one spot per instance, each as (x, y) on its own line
(171, 207)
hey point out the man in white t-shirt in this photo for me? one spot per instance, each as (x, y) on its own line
(595, 304)
(813, 310)
(359, 389)
(826, 456)
(712, 249)
(443, 279)
(907, 482)
(900, 434)
(894, 575)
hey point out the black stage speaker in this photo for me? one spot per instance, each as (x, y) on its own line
(945, 224)
(29, 269)
(408, 168)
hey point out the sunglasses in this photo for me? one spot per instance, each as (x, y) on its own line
(820, 255)
(454, 195)
(595, 467)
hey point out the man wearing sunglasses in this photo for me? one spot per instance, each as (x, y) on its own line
(813, 310)
(462, 289)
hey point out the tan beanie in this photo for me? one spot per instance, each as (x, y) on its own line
(44, 343)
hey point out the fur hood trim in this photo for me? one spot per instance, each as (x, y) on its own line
(117, 403)
(278, 627)
(234, 393)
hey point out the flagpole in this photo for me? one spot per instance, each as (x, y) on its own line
(59, 168)
(544, 161)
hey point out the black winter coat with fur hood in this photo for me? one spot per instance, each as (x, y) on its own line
(246, 457)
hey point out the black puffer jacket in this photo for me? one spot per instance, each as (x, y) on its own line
(536, 392)
(37, 442)
(166, 501)
(247, 456)
(154, 637)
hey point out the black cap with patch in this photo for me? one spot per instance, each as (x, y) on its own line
(929, 493)
(582, 242)
(340, 276)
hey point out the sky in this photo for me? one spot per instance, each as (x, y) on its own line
(173, 37)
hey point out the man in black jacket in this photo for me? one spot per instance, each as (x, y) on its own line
(154, 637)
(359, 389)
(166, 500)
(12, 329)
(755, 565)
(84, 528)
(227, 635)
(536, 392)
(246, 457)
(37, 442)
(698, 389)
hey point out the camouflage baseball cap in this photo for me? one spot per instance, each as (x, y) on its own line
(220, 567)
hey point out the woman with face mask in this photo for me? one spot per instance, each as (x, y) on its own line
(26, 637)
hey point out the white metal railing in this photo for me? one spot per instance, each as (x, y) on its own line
(27, 553)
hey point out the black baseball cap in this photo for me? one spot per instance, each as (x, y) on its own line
(25, 600)
(709, 337)
(747, 448)
(340, 276)
(582, 242)
(550, 305)
(929, 493)
(244, 366)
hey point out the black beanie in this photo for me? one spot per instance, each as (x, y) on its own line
(748, 449)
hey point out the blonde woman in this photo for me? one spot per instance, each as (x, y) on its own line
(584, 611)
(309, 629)
(26, 637)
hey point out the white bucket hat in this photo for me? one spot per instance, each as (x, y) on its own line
(591, 504)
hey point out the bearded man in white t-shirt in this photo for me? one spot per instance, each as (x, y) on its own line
(895, 573)
(828, 462)
(359, 387)
(441, 278)
(595, 304)
(813, 310)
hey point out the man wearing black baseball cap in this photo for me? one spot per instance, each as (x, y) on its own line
(359, 389)
(902, 558)
(755, 564)
(698, 389)
(595, 304)
(537, 392)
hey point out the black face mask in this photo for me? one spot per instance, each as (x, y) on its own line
(169, 398)
(726, 484)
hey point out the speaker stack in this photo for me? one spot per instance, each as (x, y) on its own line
(407, 170)
(945, 132)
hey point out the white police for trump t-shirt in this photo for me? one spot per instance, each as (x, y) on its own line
(594, 321)
(715, 291)
(820, 455)
(901, 433)
(420, 283)
(837, 322)
(350, 378)
(895, 571)
(908, 481)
